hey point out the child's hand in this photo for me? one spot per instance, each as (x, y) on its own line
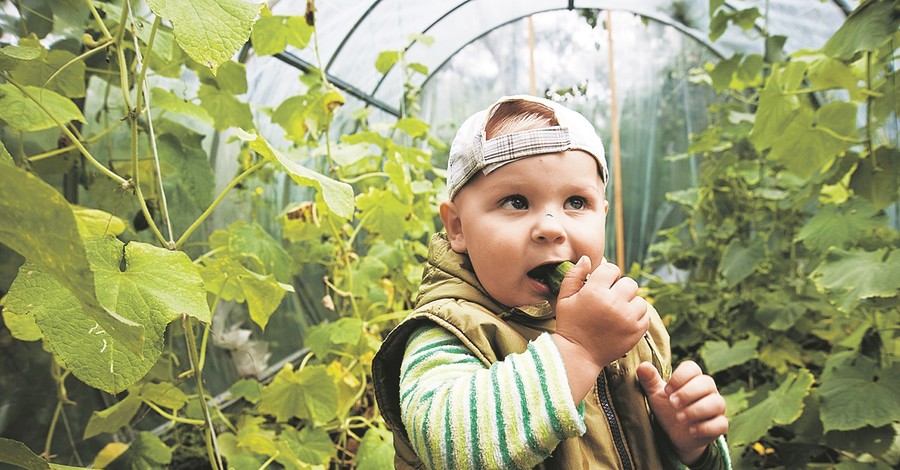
(603, 316)
(688, 407)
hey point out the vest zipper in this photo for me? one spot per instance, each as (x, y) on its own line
(614, 427)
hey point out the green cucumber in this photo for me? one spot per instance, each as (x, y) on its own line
(552, 274)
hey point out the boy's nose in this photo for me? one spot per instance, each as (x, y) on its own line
(547, 228)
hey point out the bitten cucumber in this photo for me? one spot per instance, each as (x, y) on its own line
(552, 274)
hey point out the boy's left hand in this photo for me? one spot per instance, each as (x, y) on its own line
(688, 407)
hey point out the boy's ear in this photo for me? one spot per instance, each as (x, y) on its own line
(453, 225)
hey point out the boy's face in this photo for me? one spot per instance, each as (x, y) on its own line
(537, 210)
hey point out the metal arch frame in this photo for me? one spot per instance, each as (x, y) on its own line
(369, 97)
(570, 5)
(681, 27)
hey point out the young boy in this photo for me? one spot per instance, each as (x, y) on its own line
(492, 370)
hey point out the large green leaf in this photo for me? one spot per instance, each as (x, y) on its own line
(856, 275)
(376, 451)
(225, 108)
(21, 111)
(68, 81)
(165, 99)
(338, 196)
(811, 140)
(147, 285)
(45, 232)
(250, 242)
(229, 279)
(308, 394)
(308, 446)
(146, 273)
(865, 29)
(740, 260)
(272, 34)
(18, 454)
(386, 214)
(877, 177)
(210, 31)
(782, 406)
(777, 105)
(113, 418)
(718, 355)
(840, 225)
(855, 392)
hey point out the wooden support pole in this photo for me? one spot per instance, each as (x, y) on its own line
(616, 152)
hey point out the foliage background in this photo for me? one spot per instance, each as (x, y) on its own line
(783, 276)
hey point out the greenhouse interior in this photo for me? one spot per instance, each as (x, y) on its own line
(214, 212)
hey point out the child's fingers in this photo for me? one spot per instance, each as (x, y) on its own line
(685, 371)
(709, 429)
(651, 381)
(575, 278)
(705, 408)
(606, 273)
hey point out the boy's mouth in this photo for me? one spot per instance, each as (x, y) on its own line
(541, 272)
(551, 274)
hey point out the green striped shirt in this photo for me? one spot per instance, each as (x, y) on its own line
(461, 414)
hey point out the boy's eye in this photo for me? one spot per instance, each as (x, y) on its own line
(516, 202)
(576, 203)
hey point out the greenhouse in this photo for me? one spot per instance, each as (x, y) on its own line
(214, 213)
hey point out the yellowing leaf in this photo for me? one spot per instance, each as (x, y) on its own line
(108, 453)
(97, 223)
(209, 31)
(21, 326)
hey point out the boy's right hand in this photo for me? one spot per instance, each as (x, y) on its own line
(602, 316)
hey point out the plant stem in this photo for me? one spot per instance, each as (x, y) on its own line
(194, 226)
(103, 45)
(61, 150)
(142, 90)
(212, 446)
(173, 418)
(75, 141)
(135, 171)
(96, 15)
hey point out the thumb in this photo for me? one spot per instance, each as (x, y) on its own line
(574, 279)
(650, 379)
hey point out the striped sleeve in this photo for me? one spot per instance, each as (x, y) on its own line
(460, 414)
